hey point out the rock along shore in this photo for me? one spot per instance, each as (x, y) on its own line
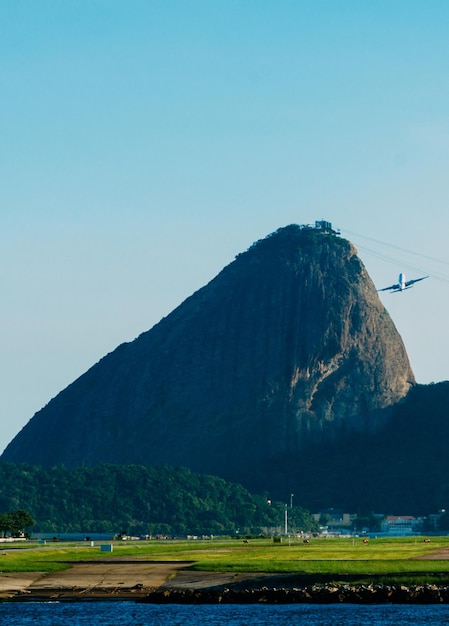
(313, 594)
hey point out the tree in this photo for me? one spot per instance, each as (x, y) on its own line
(20, 520)
(368, 522)
(15, 523)
(5, 523)
(300, 519)
(324, 520)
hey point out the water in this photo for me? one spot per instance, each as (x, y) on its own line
(131, 614)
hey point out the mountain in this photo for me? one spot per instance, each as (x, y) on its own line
(402, 468)
(288, 347)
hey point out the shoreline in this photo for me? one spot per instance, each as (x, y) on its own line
(276, 591)
(174, 583)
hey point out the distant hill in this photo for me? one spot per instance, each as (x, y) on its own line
(403, 468)
(138, 500)
(286, 356)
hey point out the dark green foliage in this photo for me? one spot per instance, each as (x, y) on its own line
(291, 241)
(135, 499)
(402, 468)
(368, 522)
(15, 523)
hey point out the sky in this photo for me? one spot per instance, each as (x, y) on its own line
(145, 143)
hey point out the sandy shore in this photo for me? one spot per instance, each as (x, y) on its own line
(93, 579)
(111, 579)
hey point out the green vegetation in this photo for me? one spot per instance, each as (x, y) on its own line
(322, 560)
(412, 478)
(138, 500)
(15, 523)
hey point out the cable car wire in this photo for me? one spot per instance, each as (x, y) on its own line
(390, 245)
(400, 262)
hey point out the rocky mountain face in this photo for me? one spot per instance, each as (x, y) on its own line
(289, 346)
(402, 468)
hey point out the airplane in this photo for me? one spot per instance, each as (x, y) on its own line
(402, 284)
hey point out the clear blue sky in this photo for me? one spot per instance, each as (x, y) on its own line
(144, 143)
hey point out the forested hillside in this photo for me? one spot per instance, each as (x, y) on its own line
(137, 500)
(401, 469)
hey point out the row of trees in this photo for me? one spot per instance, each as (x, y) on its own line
(138, 500)
(15, 523)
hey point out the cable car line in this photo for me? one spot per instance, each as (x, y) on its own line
(397, 262)
(390, 245)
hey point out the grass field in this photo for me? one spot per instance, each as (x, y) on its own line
(381, 560)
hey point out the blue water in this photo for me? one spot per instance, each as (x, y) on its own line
(131, 614)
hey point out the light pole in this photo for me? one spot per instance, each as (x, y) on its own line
(291, 500)
(286, 521)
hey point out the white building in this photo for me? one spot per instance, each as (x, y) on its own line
(401, 525)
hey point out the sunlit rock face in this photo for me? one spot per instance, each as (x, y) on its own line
(288, 345)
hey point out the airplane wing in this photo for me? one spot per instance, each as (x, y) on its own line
(391, 288)
(409, 283)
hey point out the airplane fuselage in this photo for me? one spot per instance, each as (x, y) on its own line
(403, 284)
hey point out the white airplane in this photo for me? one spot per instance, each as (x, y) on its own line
(402, 284)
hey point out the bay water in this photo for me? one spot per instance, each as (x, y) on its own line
(132, 614)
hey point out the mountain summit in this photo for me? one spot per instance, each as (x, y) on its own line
(288, 345)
